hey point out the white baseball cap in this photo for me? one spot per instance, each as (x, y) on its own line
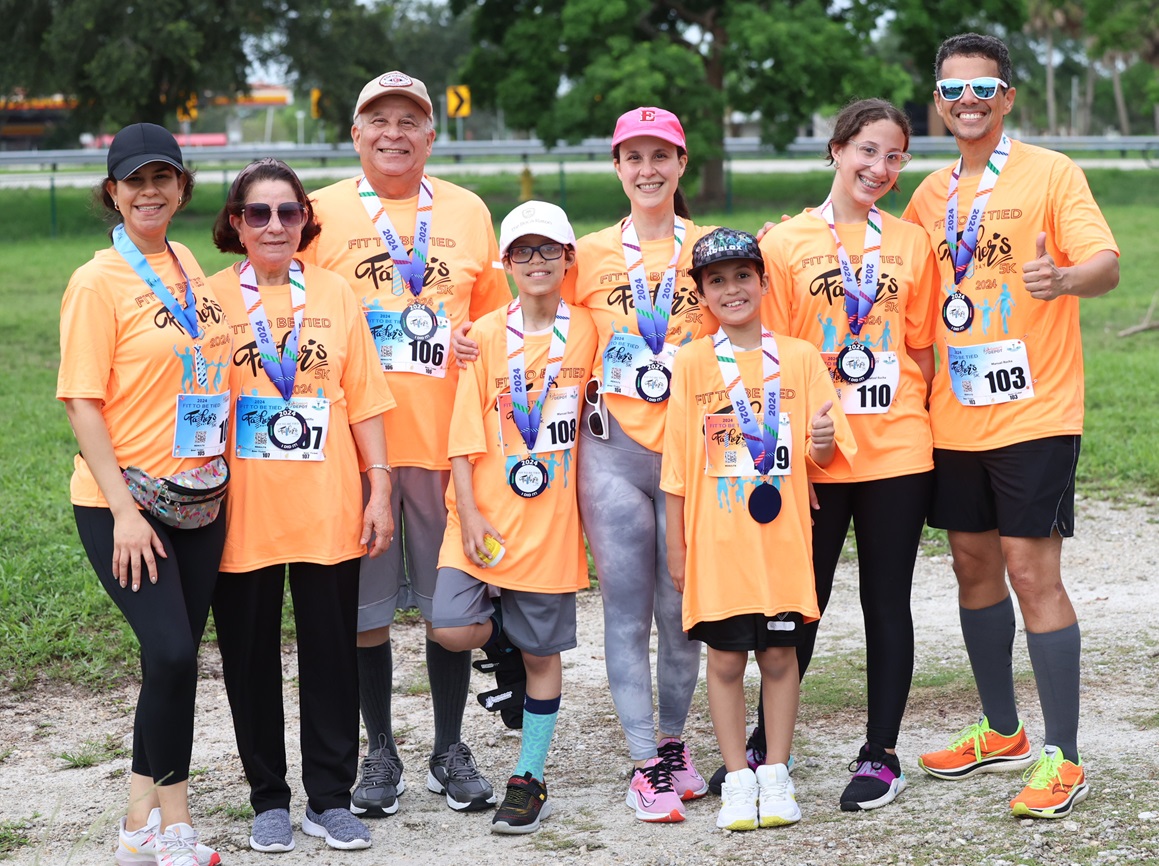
(535, 218)
(394, 82)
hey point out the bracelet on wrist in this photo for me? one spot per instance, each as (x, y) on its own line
(385, 466)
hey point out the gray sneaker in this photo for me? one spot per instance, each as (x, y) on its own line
(379, 783)
(272, 831)
(454, 773)
(338, 827)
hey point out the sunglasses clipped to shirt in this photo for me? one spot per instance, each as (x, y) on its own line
(953, 89)
(291, 214)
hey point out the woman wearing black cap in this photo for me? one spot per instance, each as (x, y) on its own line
(141, 338)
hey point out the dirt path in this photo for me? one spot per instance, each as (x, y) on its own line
(1109, 568)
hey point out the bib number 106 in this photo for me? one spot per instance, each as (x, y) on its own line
(426, 352)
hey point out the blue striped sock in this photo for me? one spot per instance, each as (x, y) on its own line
(538, 727)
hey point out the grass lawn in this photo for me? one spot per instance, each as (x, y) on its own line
(56, 621)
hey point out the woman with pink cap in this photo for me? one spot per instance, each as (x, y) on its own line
(633, 278)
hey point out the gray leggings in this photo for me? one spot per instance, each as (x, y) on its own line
(622, 508)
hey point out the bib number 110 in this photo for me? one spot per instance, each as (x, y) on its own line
(875, 396)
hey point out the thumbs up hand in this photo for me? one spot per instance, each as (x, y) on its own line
(821, 428)
(1042, 277)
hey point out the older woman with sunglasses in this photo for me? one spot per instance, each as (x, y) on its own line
(308, 415)
(861, 286)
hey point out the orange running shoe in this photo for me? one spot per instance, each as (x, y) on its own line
(1054, 786)
(978, 749)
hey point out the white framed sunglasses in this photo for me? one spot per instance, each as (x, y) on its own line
(953, 89)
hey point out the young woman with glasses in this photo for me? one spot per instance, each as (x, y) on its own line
(862, 286)
(308, 401)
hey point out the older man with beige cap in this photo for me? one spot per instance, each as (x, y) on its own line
(421, 256)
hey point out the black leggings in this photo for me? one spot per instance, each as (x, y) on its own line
(168, 617)
(887, 515)
(247, 609)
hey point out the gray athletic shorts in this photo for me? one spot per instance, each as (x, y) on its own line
(540, 623)
(405, 575)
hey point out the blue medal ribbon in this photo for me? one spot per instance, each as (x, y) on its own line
(962, 252)
(760, 438)
(186, 317)
(411, 271)
(525, 414)
(651, 320)
(281, 369)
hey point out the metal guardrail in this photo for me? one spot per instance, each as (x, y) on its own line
(527, 149)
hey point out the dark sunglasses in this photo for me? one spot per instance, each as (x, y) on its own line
(291, 214)
(521, 255)
(953, 89)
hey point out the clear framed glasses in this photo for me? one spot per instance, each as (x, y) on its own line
(986, 87)
(291, 214)
(522, 254)
(868, 154)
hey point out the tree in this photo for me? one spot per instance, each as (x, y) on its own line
(127, 62)
(568, 68)
(1123, 29)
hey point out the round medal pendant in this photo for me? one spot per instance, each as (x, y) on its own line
(289, 431)
(528, 478)
(654, 382)
(958, 312)
(764, 503)
(855, 363)
(418, 322)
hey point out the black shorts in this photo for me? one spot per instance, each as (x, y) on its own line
(750, 631)
(1025, 490)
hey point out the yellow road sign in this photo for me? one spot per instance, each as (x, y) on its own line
(459, 101)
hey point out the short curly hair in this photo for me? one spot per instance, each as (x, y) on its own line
(225, 236)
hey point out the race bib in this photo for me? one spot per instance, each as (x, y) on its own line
(727, 456)
(875, 395)
(632, 370)
(413, 341)
(202, 425)
(270, 428)
(557, 424)
(990, 373)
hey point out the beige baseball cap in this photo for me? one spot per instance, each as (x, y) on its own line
(394, 82)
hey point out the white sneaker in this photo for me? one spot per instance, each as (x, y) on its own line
(778, 796)
(140, 846)
(738, 801)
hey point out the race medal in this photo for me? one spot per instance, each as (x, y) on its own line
(528, 478)
(855, 363)
(418, 322)
(289, 431)
(764, 503)
(654, 382)
(958, 312)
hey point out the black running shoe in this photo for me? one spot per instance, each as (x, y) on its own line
(524, 806)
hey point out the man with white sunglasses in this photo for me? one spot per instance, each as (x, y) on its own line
(1020, 239)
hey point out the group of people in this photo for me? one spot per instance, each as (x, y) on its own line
(710, 411)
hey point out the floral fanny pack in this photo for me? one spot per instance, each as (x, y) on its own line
(187, 500)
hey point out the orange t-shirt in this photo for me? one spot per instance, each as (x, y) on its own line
(462, 282)
(806, 299)
(736, 565)
(601, 285)
(119, 344)
(1038, 191)
(289, 510)
(544, 541)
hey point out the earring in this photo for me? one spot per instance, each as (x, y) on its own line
(116, 205)
(836, 164)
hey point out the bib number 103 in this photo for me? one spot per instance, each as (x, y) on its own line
(1001, 380)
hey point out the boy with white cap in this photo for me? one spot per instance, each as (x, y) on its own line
(512, 500)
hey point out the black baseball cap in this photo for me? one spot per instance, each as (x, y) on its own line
(723, 244)
(140, 144)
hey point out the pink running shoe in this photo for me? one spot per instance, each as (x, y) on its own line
(686, 781)
(651, 793)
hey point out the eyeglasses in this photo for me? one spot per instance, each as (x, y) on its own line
(291, 214)
(895, 160)
(953, 89)
(521, 255)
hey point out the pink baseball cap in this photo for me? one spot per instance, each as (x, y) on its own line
(644, 120)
